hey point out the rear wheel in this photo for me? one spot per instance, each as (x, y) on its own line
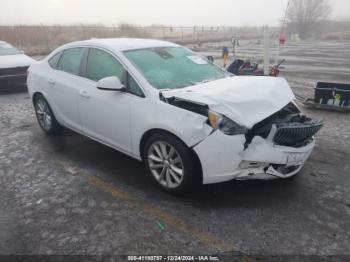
(45, 116)
(170, 163)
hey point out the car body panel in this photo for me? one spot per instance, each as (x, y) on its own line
(120, 119)
(13, 61)
(63, 92)
(100, 109)
(245, 100)
(221, 157)
(150, 115)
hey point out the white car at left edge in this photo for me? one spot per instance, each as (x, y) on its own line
(13, 65)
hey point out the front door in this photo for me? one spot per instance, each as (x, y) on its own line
(105, 115)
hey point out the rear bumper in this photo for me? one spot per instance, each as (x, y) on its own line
(224, 158)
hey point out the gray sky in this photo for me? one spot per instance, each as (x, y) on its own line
(147, 12)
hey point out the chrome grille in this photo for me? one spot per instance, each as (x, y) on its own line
(13, 71)
(295, 134)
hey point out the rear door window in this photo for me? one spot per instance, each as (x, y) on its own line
(54, 60)
(71, 60)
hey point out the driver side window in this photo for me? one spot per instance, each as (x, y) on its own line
(101, 64)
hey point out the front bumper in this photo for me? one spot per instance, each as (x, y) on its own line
(13, 76)
(224, 158)
(13, 80)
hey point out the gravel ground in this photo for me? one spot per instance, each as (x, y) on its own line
(69, 195)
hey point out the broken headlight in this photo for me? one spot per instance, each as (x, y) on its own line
(225, 125)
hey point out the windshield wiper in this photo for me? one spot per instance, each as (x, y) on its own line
(204, 81)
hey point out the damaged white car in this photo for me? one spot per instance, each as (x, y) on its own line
(185, 118)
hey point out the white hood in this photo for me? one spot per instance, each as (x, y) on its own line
(11, 61)
(246, 100)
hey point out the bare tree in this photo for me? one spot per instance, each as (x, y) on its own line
(304, 16)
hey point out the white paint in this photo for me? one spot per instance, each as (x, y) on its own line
(120, 44)
(244, 99)
(223, 155)
(120, 119)
(219, 156)
(12, 61)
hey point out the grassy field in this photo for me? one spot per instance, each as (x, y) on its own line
(40, 40)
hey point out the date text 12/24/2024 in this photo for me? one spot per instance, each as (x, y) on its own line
(173, 258)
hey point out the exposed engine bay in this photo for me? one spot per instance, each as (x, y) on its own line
(253, 135)
(287, 127)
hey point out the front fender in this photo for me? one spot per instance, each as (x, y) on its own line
(190, 127)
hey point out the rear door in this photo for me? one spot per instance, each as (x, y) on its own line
(64, 85)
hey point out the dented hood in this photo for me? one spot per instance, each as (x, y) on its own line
(246, 100)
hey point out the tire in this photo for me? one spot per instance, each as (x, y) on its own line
(173, 170)
(45, 116)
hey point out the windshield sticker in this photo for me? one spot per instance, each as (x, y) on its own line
(197, 60)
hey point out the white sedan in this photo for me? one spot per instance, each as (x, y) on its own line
(187, 119)
(13, 65)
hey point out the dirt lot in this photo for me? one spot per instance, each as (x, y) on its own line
(70, 195)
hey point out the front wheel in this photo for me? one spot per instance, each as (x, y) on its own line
(170, 163)
(45, 116)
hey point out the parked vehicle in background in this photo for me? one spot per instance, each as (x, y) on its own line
(242, 68)
(13, 65)
(187, 119)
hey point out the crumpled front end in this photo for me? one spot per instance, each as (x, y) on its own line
(258, 132)
(276, 147)
(245, 100)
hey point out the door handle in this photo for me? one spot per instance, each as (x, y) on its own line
(51, 82)
(84, 94)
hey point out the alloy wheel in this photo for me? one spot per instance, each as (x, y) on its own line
(44, 114)
(165, 164)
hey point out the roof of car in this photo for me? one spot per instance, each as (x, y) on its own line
(122, 44)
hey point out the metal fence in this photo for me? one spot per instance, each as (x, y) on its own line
(41, 39)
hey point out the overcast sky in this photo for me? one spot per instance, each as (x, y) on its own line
(147, 12)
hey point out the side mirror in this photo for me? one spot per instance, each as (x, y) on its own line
(111, 83)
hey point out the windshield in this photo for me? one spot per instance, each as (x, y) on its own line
(7, 49)
(173, 67)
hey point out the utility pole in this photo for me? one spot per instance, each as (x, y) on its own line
(266, 53)
(281, 40)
